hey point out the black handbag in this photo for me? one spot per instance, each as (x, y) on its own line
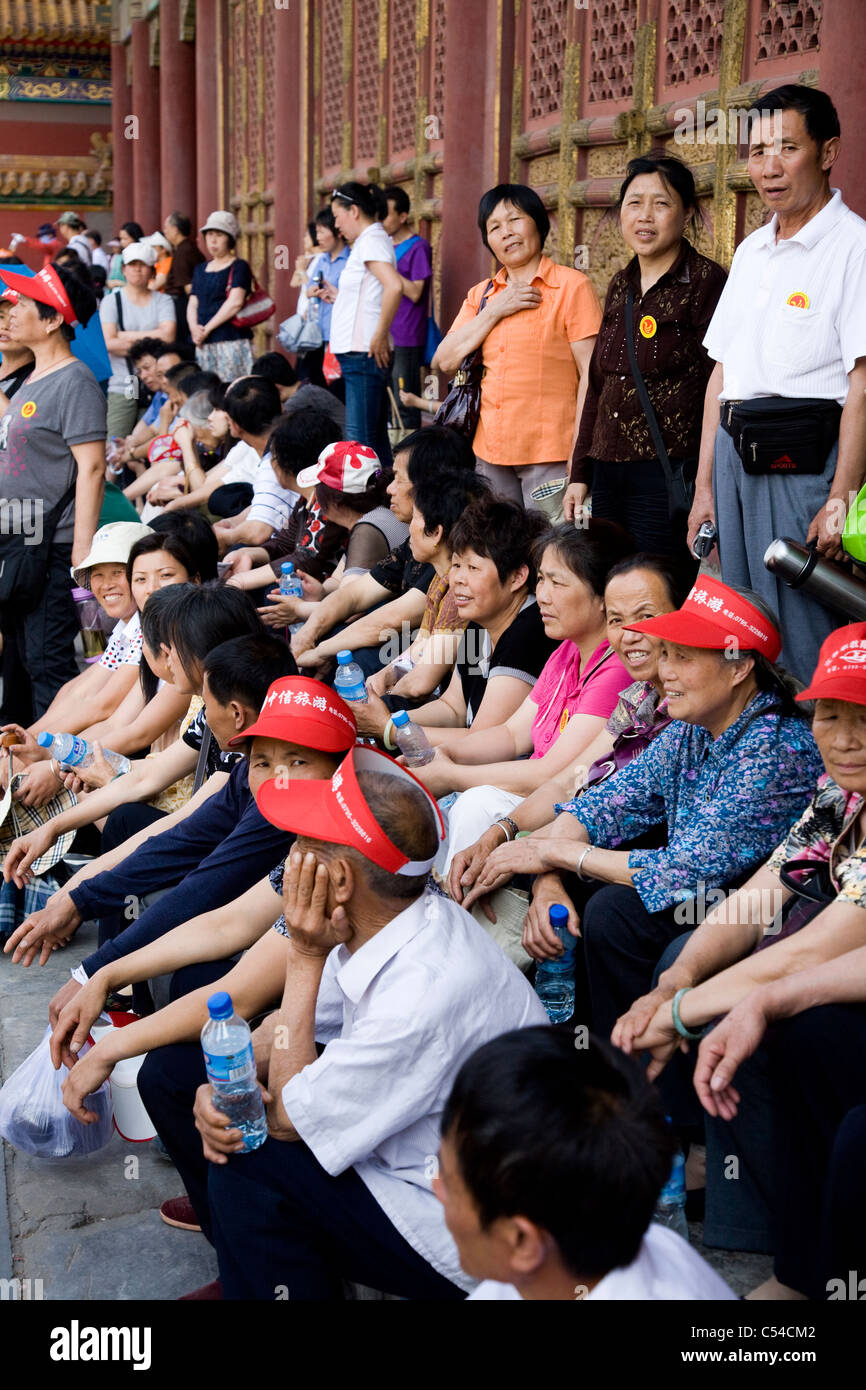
(781, 434)
(24, 567)
(680, 475)
(461, 408)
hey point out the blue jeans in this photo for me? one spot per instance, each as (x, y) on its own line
(366, 402)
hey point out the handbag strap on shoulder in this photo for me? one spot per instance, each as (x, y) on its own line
(643, 393)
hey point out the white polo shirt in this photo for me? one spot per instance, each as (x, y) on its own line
(241, 464)
(791, 320)
(271, 502)
(359, 294)
(666, 1269)
(399, 1017)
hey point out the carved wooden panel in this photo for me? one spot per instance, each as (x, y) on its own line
(693, 39)
(612, 49)
(789, 26)
(367, 97)
(269, 43)
(403, 76)
(605, 161)
(332, 87)
(438, 83)
(545, 58)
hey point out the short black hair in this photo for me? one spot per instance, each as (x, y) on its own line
(253, 404)
(589, 551)
(192, 382)
(80, 296)
(311, 231)
(442, 501)
(375, 494)
(398, 196)
(181, 222)
(673, 173)
(133, 229)
(325, 218)
(245, 668)
(146, 347)
(501, 531)
(93, 235)
(196, 534)
(433, 450)
(405, 815)
(202, 616)
(572, 1138)
(154, 632)
(520, 196)
(366, 196)
(819, 114)
(176, 374)
(676, 584)
(299, 438)
(273, 366)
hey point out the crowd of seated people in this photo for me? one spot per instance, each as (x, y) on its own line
(611, 732)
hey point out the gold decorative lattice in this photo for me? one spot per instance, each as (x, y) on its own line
(789, 26)
(693, 40)
(612, 50)
(546, 53)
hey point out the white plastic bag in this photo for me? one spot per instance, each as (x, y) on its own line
(34, 1119)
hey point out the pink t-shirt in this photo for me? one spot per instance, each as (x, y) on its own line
(563, 690)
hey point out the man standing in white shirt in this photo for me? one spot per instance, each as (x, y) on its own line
(783, 448)
(552, 1160)
(70, 228)
(401, 985)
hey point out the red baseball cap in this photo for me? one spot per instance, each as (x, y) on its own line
(337, 812)
(346, 466)
(303, 711)
(712, 616)
(46, 287)
(841, 670)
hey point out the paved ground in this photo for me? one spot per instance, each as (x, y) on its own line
(89, 1228)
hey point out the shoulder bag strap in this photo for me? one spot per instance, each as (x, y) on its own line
(201, 762)
(643, 394)
(118, 304)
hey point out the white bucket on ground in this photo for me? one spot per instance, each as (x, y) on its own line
(131, 1120)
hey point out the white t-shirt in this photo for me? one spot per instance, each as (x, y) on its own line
(241, 464)
(271, 502)
(82, 247)
(666, 1269)
(359, 295)
(398, 1018)
(140, 318)
(790, 319)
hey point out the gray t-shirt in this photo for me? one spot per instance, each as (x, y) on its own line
(310, 397)
(138, 318)
(36, 434)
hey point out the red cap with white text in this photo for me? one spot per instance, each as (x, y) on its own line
(46, 287)
(841, 670)
(715, 617)
(300, 710)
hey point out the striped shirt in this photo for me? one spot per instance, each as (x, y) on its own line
(790, 320)
(271, 502)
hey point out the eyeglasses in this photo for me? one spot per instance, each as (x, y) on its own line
(344, 196)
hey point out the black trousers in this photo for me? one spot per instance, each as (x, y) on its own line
(623, 944)
(38, 647)
(817, 1067)
(634, 494)
(278, 1220)
(406, 365)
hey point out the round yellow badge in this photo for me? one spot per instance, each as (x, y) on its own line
(563, 720)
(648, 326)
(28, 409)
(799, 299)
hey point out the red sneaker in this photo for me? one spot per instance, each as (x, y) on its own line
(208, 1291)
(179, 1212)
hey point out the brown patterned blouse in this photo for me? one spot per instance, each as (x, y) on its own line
(669, 323)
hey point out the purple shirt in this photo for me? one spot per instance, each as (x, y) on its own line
(409, 328)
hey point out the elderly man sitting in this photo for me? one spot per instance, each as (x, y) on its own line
(400, 985)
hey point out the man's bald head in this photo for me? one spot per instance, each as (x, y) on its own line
(405, 815)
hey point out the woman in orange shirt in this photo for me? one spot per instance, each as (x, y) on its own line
(537, 325)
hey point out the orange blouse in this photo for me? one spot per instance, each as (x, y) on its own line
(529, 387)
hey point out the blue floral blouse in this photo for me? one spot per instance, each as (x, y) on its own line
(726, 801)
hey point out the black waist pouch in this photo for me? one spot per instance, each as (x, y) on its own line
(777, 435)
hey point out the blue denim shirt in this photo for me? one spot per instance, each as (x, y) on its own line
(331, 270)
(726, 801)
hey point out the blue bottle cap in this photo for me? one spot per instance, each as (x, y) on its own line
(287, 567)
(558, 915)
(400, 718)
(220, 1005)
(344, 657)
(44, 740)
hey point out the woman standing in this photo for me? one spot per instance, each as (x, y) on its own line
(367, 300)
(673, 291)
(536, 324)
(126, 315)
(323, 278)
(219, 289)
(129, 232)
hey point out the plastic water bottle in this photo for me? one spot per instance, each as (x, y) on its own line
(231, 1070)
(349, 680)
(290, 584)
(73, 752)
(411, 740)
(554, 979)
(671, 1206)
